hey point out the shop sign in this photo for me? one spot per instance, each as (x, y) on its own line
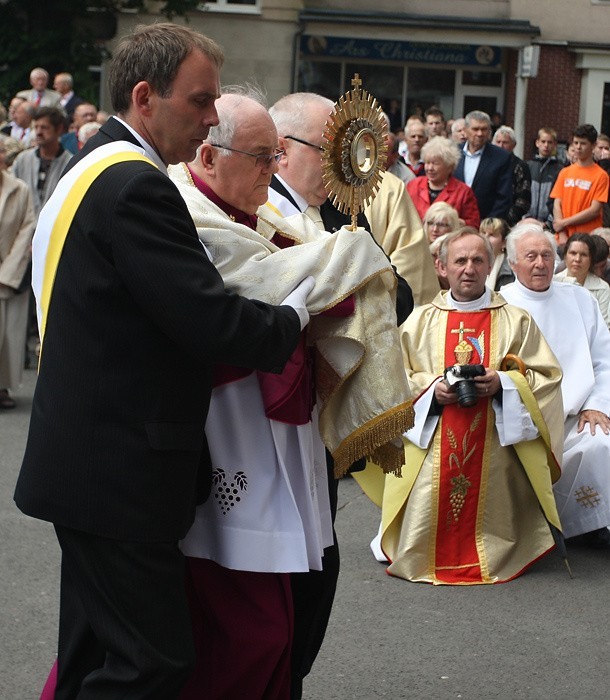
(400, 51)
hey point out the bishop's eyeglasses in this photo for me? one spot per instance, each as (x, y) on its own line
(263, 160)
(306, 143)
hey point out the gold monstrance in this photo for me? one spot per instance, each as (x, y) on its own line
(355, 151)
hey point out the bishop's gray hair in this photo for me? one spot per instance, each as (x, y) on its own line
(228, 112)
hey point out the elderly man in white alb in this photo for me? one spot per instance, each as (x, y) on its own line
(571, 322)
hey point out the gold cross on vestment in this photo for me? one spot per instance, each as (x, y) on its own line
(461, 330)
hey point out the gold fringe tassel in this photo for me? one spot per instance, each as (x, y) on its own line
(373, 440)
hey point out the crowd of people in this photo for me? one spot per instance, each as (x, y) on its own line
(39, 133)
(452, 353)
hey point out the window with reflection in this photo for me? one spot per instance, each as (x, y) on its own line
(321, 77)
(430, 86)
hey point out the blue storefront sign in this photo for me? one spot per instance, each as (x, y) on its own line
(400, 51)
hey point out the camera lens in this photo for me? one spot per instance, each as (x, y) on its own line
(466, 391)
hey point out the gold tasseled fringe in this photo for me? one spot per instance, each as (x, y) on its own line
(374, 441)
(390, 458)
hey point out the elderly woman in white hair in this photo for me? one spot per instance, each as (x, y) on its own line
(441, 157)
(16, 230)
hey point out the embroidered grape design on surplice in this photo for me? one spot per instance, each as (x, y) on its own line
(228, 494)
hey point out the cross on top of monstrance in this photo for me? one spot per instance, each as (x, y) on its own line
(355, 151)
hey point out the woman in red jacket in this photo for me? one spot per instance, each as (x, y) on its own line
(441, 156)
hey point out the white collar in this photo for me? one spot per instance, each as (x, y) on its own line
(475, 305)
(531, 294)
(476, 154)
(150, 151)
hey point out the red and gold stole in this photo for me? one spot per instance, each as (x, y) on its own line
(461, 467)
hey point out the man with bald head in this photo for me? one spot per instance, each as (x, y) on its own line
(69, 100)
(300, 119)
(269, 513)
(296, 189)
(243, 577)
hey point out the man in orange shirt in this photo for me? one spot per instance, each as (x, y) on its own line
(580, 190)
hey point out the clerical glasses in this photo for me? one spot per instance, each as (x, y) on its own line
(263, 160)
(306, 143)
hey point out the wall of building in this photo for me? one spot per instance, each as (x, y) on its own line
(258, 48)
(569, 88)
(561, 20)
(457, 8)
(553, 97)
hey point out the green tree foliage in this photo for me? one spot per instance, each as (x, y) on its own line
(62, 35)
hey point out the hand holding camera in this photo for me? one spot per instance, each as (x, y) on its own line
(465, 384)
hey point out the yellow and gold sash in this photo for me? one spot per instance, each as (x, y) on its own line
(66, 210)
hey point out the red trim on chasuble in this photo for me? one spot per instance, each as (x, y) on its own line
(462, 450)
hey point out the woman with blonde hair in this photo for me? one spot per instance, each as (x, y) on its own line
(440, 219)
(441, 156)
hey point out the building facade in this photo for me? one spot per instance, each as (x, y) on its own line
(542, 63)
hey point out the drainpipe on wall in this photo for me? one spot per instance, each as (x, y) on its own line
(527, 68)
(520, 106)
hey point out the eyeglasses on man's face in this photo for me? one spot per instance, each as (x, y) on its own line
(305, 143)
(263, 160)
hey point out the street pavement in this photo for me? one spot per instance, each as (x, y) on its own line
(542, 636)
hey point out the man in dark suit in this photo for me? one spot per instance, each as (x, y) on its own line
(486, 168)
(136, 319)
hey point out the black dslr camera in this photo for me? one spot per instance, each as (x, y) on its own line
(461, 379)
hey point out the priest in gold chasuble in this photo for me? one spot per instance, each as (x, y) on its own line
(475, 498)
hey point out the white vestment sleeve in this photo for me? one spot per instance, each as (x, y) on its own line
(518, 425)
(424, 425)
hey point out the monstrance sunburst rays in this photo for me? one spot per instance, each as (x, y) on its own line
(355, 151)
